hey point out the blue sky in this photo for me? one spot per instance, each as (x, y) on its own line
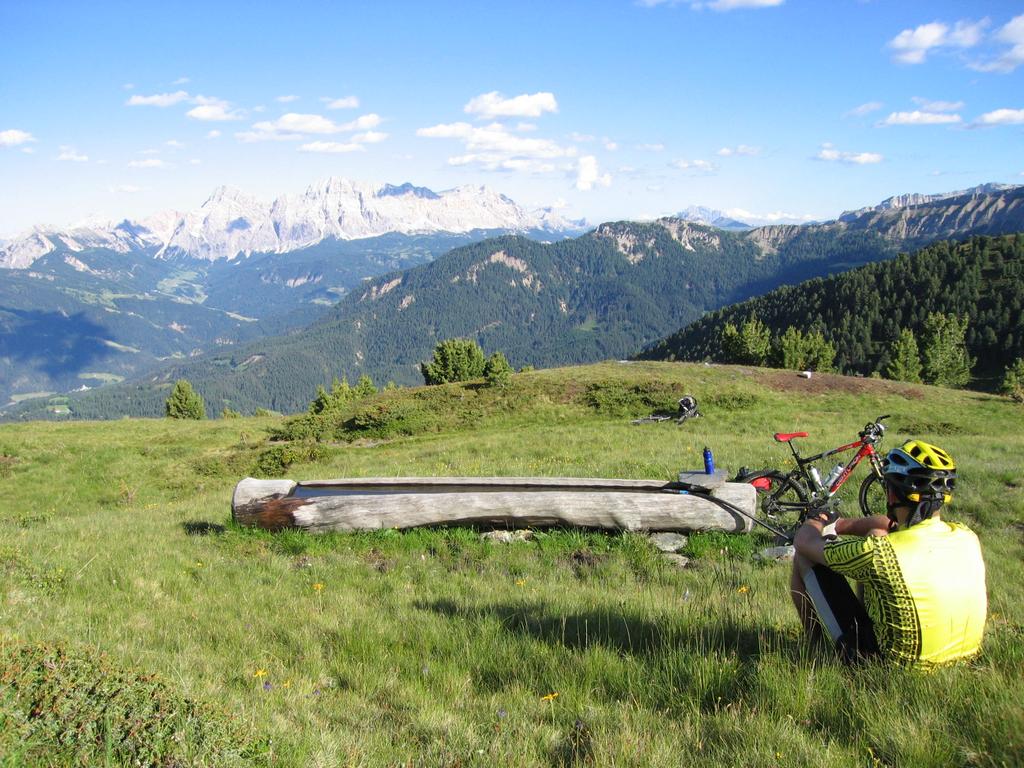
(612, 110)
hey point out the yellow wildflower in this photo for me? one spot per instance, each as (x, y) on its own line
(318, 586)
(743, 590)
(259, 673)
(549, 697)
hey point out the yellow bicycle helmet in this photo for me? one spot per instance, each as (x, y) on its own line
(921, 474)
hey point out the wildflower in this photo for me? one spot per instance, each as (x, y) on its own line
(520, 582)
(259, 674)
(743, 590)
(266, 685)
(549, 697)
(286, 684)
(502, 714)
(318, 586)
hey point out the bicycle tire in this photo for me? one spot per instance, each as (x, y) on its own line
(782, 502)
(872, 496)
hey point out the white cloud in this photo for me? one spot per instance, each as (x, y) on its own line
(751, 217)
(651, 147)
(212, 109)
(369, 137)
(71, 154)
(129, 86)
(740, 150)
(125, 189)
(588, 175)
(494, 104)
(864, 109)
(213, 134)
(294, 126)
(937, 106)
(195, 161)
(13, 137)
(181, 81)
(348, 102)
(158, 99)
(610, 145)
(149, 152)
(1002, 117)
(729, 5)
(829, 153)
(524, 126)
(912, 46)
(152, 162)
(333, 147)
(918, 117)
(697, 166)
(174, 144)
(494, 148)
(28, 150)
(1011, 33)
(287, 99)
(715, 5)
(580, 138)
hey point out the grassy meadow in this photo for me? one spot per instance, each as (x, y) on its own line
(139, 626)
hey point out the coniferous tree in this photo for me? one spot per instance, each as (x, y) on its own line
(1013, 380)
(184, 402)
(820, 352)
(454, 360)
(750, 345)
(905, 359)
(791, 353)
(945, 361)
(497, 370)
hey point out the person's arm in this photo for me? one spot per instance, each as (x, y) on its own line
(876, 525)
(809, 542)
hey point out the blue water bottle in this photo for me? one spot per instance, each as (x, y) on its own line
(709, 461)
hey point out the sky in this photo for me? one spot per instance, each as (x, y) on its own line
(604, 109)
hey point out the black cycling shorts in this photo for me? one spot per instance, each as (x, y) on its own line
(841, 614)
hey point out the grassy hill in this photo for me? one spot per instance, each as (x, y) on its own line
(434, 647)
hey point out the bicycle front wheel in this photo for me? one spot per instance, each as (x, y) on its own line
(781, 500)
(872, 496)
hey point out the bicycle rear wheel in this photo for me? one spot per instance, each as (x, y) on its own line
(781, 500)
(872, 496)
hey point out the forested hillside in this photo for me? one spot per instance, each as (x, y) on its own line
(863, 311)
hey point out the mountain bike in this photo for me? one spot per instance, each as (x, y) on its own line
(786, 498)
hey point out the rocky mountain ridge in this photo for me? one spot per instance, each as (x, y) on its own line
(232, 222)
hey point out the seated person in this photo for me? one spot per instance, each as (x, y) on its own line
(921, 580)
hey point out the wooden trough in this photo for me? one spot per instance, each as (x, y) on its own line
(372, 503)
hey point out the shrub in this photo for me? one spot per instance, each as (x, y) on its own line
(497, 371)
(229, 413)
(454, 360)
(184, 402)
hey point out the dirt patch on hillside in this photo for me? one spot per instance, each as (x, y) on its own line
(822, 383)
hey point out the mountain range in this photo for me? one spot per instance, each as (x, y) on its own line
(101, 302)
(232, 223)
(605, 294)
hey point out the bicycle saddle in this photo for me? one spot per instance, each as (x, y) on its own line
(785, 437)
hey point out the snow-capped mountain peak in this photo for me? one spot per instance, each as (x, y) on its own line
(231, 222)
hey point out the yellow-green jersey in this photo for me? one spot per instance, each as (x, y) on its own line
(924, 589)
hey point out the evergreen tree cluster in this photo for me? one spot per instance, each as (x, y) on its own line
(947, 313)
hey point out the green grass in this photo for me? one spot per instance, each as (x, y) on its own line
(433, 647)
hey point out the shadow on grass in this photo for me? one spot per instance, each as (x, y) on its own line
(203, 528)
(626, 634)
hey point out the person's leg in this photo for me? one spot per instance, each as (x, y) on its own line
(801, 600)
(828, 607)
